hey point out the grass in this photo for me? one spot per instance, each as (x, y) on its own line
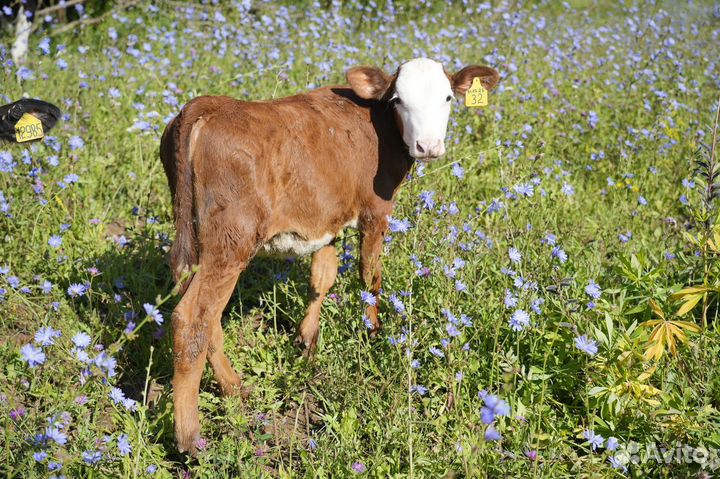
(599, 118)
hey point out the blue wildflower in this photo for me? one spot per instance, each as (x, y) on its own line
(519, 320)
(32, 355)
(595, 440)
(593, 290)
(368, 298)
(46, 336)
(586, 345)
(153, 312)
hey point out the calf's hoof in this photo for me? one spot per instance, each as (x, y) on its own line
(187, 440)
(307, 342)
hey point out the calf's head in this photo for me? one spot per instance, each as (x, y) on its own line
(421, 93)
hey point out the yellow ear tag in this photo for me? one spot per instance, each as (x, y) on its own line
(28, 128)
(477, 95)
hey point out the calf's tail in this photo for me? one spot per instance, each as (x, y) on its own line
(175, 156)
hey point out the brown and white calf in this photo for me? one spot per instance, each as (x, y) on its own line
(284, 177)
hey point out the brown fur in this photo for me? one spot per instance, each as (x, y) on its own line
(241, 173)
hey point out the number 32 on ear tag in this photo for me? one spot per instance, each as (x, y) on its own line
(477, 95)
(28, 128)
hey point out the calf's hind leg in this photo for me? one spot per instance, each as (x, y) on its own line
(194, 321)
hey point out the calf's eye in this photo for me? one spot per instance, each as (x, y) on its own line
(449, 98)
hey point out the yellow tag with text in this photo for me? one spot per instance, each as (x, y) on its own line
(477, 95)
(28, 128)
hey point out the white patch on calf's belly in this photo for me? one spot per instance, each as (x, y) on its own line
(292, 244)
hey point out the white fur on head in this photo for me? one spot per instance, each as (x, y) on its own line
(422, 98)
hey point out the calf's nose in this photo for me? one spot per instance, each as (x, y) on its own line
(430, 148)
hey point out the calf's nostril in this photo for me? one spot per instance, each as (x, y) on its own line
(419, 147)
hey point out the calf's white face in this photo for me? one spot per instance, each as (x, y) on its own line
(421, 93)
(422, 99)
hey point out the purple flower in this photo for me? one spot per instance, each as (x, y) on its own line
(519, 320)
(586, 345)
(458, 171)
(124, 445)
(153, 312)
(55, 241)
(54, 434)
(436, 352)
(514, 255)
(421, 390)
(46, 287)
(593, 290)
(397, 303)
(32, 355)
(46, 336)
(559, 253)
(452, 330)
(595, 440)
(76, 289)
(612, 443)
(81, 340)
(359, 467)
(398, 226)
(71, 178)
(117, 395)
(368, 298)
(491, 434)
(76, 143)
(92, 457)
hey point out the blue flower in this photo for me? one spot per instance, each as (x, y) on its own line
(32, 355)
(398, 226)
(458, 171)
(612, 443)
(514, 255)
(397, 303)
(593, 290)
(81, 340)
(519, 320)
(44, 45)
(55, 241)
(92, 457)
(436, 352)
(71, 178)
(76, 143)
(117, 395)
(558, 253)
(491, 434)
(54, 434)
(153, 312)
(616, 463)
(46, 336)
(40, 456)
(586, 345)
(368, 298)
(510, 300)
(76, 289)
(595, 440)
(421, 390)
(428, 199)
(124, 445)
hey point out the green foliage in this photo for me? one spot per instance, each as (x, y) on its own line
(555, 262)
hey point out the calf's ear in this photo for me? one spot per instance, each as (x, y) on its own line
(462, 80)
(369, 83)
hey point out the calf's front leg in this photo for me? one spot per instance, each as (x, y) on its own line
(323, 272)
(371, 243)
